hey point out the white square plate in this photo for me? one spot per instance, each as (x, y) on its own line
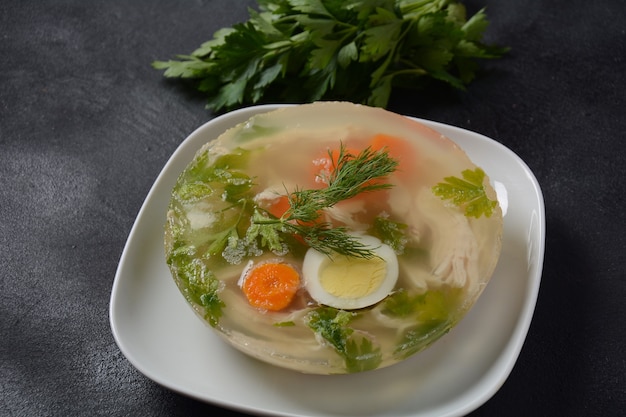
(160, 335)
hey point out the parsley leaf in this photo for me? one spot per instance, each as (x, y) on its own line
(391, 233)
(299, 51)
(419, 337)
(363, 356)
(201, 285)
(431, 306)
(359, 352)
(467, 193)
(431, 312)
(332, 325)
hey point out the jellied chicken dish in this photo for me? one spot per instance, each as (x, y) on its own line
(331, 237)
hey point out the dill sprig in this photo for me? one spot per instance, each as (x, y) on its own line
(350, 175)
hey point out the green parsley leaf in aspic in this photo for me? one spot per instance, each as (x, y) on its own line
(431, 312)
(202, 287)
(392, 233)
(468, 193)
(357, 350)
(299, 51)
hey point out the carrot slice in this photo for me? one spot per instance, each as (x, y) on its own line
(271, 286)
(399, 149)
(280, 206)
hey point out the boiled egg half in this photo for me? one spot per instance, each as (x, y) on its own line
(348, 282)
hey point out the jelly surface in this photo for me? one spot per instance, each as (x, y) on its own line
(445, 257)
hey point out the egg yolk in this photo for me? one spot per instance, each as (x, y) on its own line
(349, 277)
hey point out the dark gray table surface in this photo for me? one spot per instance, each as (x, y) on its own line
(86, 126)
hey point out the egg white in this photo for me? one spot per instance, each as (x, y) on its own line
(315, 260)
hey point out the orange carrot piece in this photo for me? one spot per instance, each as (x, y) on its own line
(280, 206)
(399, 149)
(271, 286)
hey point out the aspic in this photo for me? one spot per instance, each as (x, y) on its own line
(332, 237)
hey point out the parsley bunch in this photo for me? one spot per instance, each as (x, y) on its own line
(298, 51)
